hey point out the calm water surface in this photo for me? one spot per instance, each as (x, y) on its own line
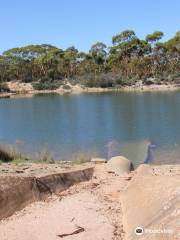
(106, 124)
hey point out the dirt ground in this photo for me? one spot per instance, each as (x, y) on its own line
(102, 208)
(86, 211)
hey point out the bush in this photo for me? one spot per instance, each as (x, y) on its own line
(103, 80)
(107, 80)
(124, 81)
(45, 156)
(4, 87)
(81, 157)
(174, 78)
(28, 79)
(66, 87)
(6, 154)
(46, 85)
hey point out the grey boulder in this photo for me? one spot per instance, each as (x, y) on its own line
(119, 165)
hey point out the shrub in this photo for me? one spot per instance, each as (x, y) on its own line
(46, 85)
(174, 78)
(124, 81)
(44, 156)
(27, 79)
(103, 80)
(66, 87)
(4, 87)
(81, 157)
(6, 154)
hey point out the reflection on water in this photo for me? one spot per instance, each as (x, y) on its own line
(167, 155)
(135, 151)
(145, 152)
(107, 124)
(113, 149)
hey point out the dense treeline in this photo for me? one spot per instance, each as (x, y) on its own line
(128, 59)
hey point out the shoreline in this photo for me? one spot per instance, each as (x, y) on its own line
(18, 89)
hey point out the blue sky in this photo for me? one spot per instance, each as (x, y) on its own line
(83, 22)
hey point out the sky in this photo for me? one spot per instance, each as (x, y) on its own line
(81, 23)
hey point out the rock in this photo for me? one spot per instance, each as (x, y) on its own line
(151, 202)
(150, 81)
(16, 192)
(98, 160)
(128, 178)
(119, 165)
(19, 171)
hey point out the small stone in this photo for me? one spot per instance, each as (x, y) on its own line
(128, 178)
(19, 171)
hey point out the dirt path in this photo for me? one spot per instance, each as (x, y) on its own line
(86, 211)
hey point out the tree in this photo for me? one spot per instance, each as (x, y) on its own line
(99, 52)
(129, 57)
(154, 37)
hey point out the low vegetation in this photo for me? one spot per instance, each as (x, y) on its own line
(9, 154)
(3, 87)
(127, 60)
(82, 157)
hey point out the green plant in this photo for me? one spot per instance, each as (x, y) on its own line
(6, 154)
(44, 156)
(9, 154)
(48, 85)
(66, 87)
(4, 87)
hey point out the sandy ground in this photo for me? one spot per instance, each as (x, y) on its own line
(38, 169)
(90, 210)
(103, 208)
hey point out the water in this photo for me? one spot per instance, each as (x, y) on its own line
(106, 124)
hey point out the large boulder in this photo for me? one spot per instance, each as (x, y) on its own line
(151, 202)
(119, 165)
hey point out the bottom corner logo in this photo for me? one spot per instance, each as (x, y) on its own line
(139, 231)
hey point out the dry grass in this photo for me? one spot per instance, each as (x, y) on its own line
(81, 157)
(8, 154)
(44, 156)
(5, 154)
(15, 155)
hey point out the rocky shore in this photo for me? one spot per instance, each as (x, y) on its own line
(18, 88)
(96, 199)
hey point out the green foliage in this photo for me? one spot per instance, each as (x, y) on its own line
(125, 81)
(66, 87)
(154, 37)
(3, 87)
(129, 58)
(5, 154)
(8, 154)
(46, 85)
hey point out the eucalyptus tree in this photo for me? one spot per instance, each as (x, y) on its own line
(128, 56)
(126, 46)
(154, 37)
(70, 61)
(173, 52)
